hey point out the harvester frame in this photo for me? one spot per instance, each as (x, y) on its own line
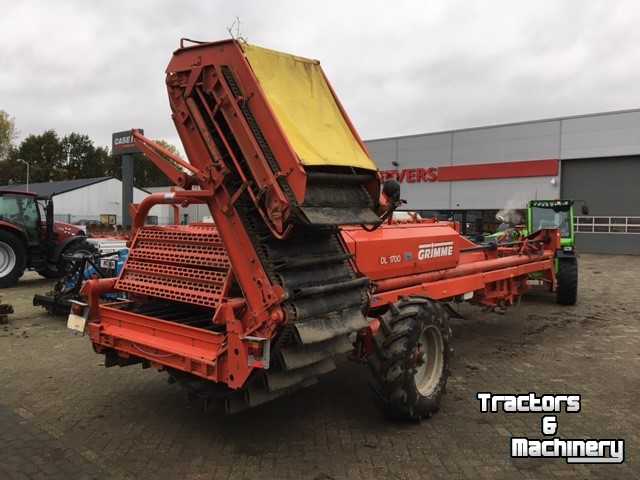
(257, 305)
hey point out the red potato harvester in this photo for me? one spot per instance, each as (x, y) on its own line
(303, 261)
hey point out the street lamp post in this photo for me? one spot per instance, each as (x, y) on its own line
(21, 160)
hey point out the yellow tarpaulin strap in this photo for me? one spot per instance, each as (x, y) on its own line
(306, 109)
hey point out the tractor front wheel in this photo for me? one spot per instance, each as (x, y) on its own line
(410, 362)
(567, 277)
(13, 259)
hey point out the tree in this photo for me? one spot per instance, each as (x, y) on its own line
(74, 156)
(51, 158)
(83, 159)
(168, 146)
(154, 176)
(11, 171)
(7, 134)
(45, 155)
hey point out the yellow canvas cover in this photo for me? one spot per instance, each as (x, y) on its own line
(306, 109)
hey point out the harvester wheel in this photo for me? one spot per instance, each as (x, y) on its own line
(410, 363)
(567, 277)
(13, 259)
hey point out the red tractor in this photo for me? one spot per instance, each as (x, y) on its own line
(31, 239)
(304, 261)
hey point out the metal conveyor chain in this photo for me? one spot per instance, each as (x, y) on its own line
(325, 304)
(326, 298)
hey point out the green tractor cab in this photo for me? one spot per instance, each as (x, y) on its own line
(553, 214)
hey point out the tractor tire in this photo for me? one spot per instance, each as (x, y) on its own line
(567, 277)
(13, 259)
(81, 246)
(410, 361)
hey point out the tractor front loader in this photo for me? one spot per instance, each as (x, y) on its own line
(303, 261)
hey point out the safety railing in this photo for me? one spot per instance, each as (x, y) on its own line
(612, 224)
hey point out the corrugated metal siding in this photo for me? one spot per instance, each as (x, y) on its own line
(383, 152)
(425, 150)
(611, 186)
(534, 141)
(601, 135)
(505, 193)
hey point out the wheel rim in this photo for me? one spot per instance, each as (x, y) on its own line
(7, 259)
(429, 360)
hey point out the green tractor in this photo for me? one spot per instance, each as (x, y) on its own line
(546, 214)
(559, 214)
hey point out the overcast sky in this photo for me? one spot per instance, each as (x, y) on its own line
(398, 67)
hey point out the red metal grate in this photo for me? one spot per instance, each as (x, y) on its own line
(181, 263)
(175, 233)
(179, 273)
(204, 255)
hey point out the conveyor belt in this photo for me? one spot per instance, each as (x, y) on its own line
(326, 298)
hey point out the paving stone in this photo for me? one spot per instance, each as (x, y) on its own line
(63, 415)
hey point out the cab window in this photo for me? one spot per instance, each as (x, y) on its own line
(548, 218)
(21, 211)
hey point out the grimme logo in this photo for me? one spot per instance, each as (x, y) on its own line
(435, 250)
(573, 450)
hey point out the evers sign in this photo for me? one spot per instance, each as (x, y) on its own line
(481, 171)
(411, 175)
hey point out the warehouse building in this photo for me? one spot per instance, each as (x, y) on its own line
(86, 200)
(190, 214)
(471, 174)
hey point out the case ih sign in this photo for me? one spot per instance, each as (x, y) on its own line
(122, 142)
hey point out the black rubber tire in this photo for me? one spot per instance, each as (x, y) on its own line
(20, 251)
(567, 277)
(394, 361)
(78, 246)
